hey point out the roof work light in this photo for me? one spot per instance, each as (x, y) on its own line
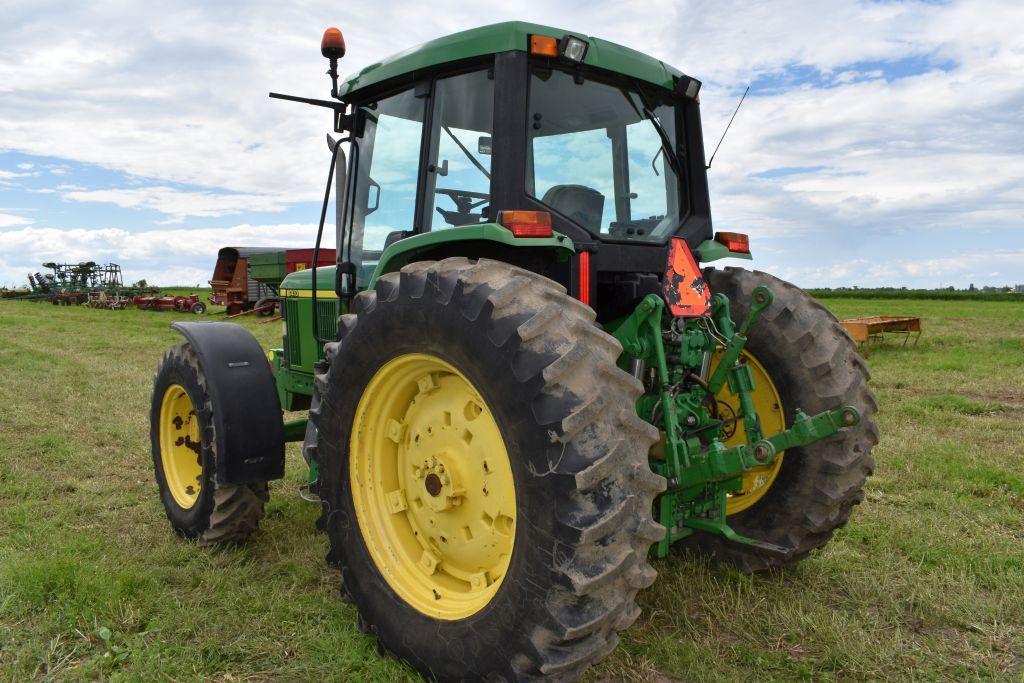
(572, 48)
(688, 87)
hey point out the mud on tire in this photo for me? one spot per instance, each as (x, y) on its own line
(579, 460)
(815, 366)
(223, 513)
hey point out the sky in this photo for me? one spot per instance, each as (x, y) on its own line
(881, 144)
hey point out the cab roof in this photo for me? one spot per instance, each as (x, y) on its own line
(504, 37)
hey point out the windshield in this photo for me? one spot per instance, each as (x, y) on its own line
(596, 156)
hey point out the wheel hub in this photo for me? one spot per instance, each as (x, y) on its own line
(180, 446)
(440, 479)
(432, 486)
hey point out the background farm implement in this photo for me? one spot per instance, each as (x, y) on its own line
(99, 285)
(248, 279)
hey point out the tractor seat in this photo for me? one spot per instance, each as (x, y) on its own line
(583, 204)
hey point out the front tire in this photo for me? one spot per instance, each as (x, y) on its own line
(575, 451)
(814, 366)
(184, 459)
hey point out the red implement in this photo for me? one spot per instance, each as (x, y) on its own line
(182, 304)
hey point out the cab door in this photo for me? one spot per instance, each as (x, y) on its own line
(457, 184)
(386, 168)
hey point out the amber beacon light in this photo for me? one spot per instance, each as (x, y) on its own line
(332, 46)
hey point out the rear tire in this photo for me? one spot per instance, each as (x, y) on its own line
(578, 458)
(815, 366)
(210, 513)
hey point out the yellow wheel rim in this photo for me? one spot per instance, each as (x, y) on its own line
(432, 486)
(769, 407)
(180, 446)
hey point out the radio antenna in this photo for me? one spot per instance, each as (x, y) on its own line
(736, 111)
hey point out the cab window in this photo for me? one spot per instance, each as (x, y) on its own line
(386, 177)
(458, 179)
(605, 155)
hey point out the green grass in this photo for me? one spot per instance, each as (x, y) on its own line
(927, 581)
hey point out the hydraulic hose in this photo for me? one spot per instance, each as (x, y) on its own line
(319, 235)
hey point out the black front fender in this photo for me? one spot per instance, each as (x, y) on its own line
(247, 418)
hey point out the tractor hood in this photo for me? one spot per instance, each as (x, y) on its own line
(302, 280)
(504, 37)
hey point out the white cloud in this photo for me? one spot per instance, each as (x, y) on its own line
(180, 203)
(7, 220)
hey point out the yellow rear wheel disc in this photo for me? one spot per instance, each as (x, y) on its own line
(432, 486)
(180, 446)
(769, 407)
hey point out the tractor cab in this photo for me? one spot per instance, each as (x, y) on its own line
(601, 141)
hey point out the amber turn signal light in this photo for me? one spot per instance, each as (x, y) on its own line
(527, 223)
(546, 46)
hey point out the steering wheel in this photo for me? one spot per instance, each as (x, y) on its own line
(465, 202)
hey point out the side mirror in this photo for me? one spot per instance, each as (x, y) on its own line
(373, 184)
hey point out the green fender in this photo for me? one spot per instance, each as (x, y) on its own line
(404, 251)
(710, 250)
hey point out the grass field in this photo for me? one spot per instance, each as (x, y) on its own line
(927, 581)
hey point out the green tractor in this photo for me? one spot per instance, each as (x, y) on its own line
(520, 385)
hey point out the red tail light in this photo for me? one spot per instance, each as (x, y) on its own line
(527, 223)
(734, 241)
(584, 265)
